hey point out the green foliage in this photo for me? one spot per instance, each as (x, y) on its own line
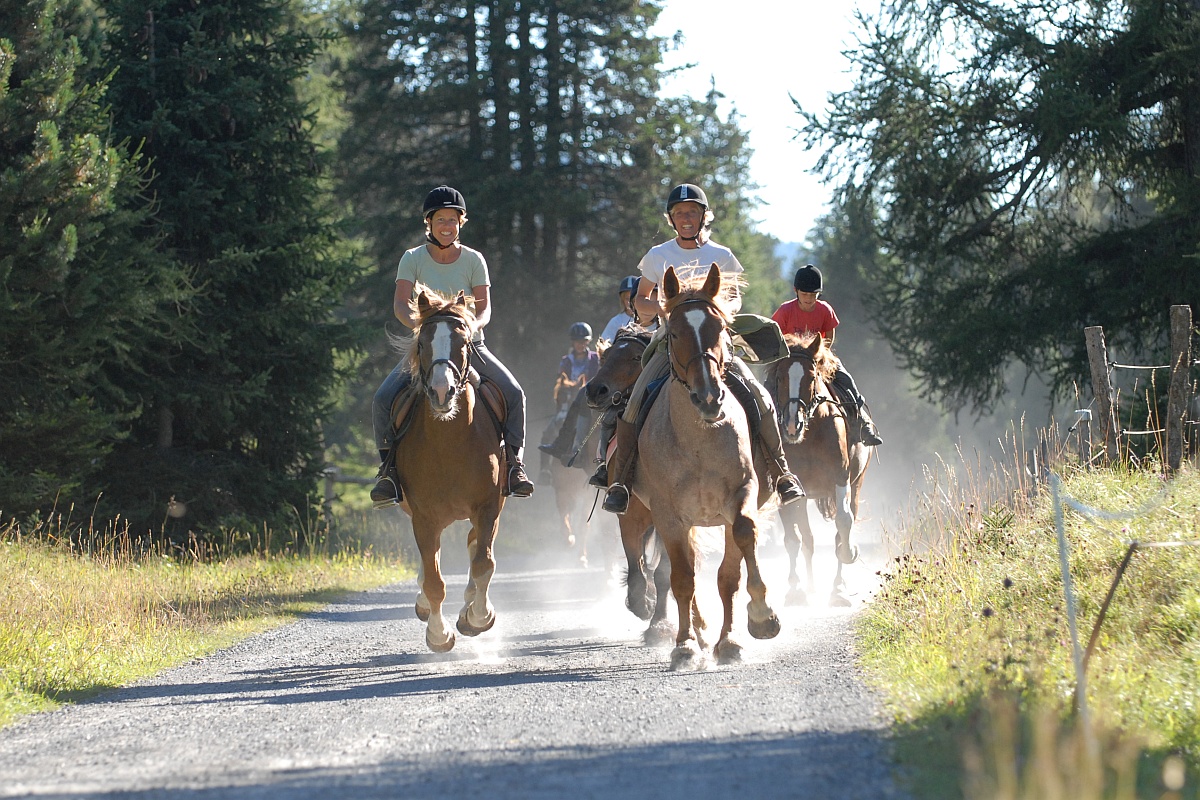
(971, 625)
(87, 306)
(209, 93)
(1036, 176)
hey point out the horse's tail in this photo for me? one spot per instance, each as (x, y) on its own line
(827, 507)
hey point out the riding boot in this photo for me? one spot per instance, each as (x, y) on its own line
(560, 448)
(787, 485)
(599, 478)
(616, 499)
(868, 434)
(386, 492)
(518, 483)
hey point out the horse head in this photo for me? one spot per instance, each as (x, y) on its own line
(620, 366)
(698, 342)
(800, 384)
(441, 359)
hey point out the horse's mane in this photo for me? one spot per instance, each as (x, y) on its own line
(439, 305)
(690, 289)
(632, 330)
(825, 363)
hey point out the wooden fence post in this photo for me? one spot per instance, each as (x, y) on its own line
(1181, 362)
(1102, 390)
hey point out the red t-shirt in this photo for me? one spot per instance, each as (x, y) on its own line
(822, 319)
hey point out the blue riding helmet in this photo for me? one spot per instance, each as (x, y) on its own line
(628, 284)
(581, 330)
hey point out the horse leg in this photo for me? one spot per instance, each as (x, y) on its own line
(838, 596)
(807, 546)
(433, 588)
(477, 613)
(791, 543)
(660, 632)
(729, 577)
(633, 526)
(846, 554)
(682, 554)
(563, 501)
(760, 617)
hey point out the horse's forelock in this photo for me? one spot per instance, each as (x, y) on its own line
(825, 363)
(439, 305)
(690, 291)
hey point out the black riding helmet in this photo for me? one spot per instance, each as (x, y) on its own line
(581, 330)
(686, 193)
(628, 284)
(442, 197)
(808, 279)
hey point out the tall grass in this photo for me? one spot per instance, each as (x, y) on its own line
(85, 609)
(969, 641)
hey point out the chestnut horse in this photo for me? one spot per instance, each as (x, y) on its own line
(451, 463)
(647, 571)
(816, 442)
(696, 466)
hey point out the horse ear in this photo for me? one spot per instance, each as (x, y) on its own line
(423, 303)
(815, 345)
(670, 284)
(461, 300)
(712, 284)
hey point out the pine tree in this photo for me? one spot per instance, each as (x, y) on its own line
(85, 307)
(208, 91)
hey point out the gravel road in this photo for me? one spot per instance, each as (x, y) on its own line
(560, 699)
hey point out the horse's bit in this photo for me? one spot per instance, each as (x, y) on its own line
(805, 409)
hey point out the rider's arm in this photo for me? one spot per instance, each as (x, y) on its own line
(483, 305)
(400, 303)
(647, 306)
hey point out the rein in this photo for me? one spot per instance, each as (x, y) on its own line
(805, 409)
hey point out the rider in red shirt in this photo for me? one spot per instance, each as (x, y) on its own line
(809, 314)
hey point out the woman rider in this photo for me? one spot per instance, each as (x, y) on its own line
(445, 265)
(690, 253)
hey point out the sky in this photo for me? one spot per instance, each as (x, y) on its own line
(759, 52)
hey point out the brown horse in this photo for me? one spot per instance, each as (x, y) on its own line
(647, 571)
(696, 467)
(450, 462)
(816, 442)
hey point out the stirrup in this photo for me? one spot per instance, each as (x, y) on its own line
(789, 489)
(616, 500)
(518, 484)
(386, 493)
(599, 478)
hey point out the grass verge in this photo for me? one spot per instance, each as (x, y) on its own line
(74, 623)
(969, 642)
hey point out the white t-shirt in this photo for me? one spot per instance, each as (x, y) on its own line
(687, 263)
(615, 324)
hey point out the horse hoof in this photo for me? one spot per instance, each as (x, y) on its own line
(444, 647)
(727, 652)
(570, 540)
(687, 657)
(796, 597)
(660, 634)
(467, 629)
(839, 600)
(846, 554)
(764, 629)
(422, 613)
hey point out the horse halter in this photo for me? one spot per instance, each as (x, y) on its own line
(460, 373)
(720, 365)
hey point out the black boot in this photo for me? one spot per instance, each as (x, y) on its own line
(599, 478)
(518, 484)
(868, 434)
(616, 500)
(386, 492)
(789, 489)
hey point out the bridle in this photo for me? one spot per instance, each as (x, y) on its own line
(719, 365)
(804, 409)
(459, 373)
(619, 397)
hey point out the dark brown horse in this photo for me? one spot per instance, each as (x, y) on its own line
(647, 571)
(450, 462)
(696, 467)
(814, 426)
